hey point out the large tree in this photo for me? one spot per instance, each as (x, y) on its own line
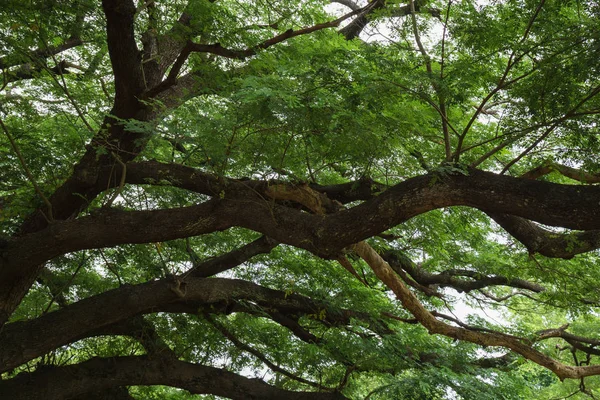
(296, 199)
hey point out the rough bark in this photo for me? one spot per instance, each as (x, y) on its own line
(98, 374)
(240, 204)
(24, 340)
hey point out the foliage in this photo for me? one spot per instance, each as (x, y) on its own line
(223, 101)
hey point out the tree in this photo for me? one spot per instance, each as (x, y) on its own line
(295, 199)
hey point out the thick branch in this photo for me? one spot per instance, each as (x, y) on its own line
(101, 314)
(479, 189)
(573, 173)
(243, 205)
(124, 54)
(354, 28)
(545, 242)
(452, 278)
(434, 326)
(100, 374)
(578, 342)
(232, 259)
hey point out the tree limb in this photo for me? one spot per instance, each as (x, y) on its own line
(107, 312)
(99, 374)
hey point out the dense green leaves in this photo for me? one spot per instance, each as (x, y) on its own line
(505, 86)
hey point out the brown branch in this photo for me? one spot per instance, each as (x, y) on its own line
(574, 340)
(124, 54)
(38, 54)
(547, 243)
(573, 173)
(217, 49)
(354, 28)
(107, 313)
(244, 204)
(99, 374)
(232, 259)
(399, 262)
(434, 326)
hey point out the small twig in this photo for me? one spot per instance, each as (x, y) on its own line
(121, 183)
(436, 87)
(49, 218)
(66, 285)
(225, 332)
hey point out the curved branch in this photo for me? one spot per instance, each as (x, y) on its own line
(104, 313)
(435, 326)
(216, 49)
(99, 374)
(573, 173)
(451, 278)
(547, 243)
(245, 205)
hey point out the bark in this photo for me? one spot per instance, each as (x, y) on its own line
(241, 204)
(99, 374)
(547, 243)
(24, 340)
(455, 278)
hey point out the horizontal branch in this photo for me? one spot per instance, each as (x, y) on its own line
(578, 342)
(32, 71)
(99, 374)
(24, 340)
(247, 204)
(573, 173)
(38, 54)
(547, 243)
(453, 278)
(478, 189)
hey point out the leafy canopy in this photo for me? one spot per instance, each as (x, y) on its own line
(344, 200)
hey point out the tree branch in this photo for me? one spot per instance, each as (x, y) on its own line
(450, 278)
(124, 54)
(107, 313)
(37, 54)
(434, 326)
(245, 205)
(547, 243)
(99, 374)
